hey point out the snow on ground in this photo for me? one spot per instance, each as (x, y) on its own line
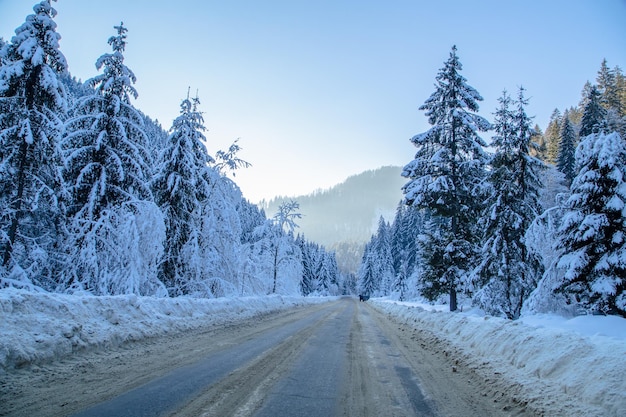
(559, 366)
(39, 327)
(574, 367)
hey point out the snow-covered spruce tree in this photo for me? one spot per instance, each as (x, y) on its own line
(447, 170)
(381, 246)
(408, 224)
(380, 261)
(116, 229)
(594, 115)
(368, 282)
(403, 241)
(607, 85)
(593, 232)
(566, 161)
(309, 253)
(181, 188)
(33, 103)
(320, 274)
(553, 136)
(509, 270)
(328, 274)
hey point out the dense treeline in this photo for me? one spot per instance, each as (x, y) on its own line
(472, 223)
(96, 197)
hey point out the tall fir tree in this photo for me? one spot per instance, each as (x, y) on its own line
(182, 186)
(509, 270)
(608, 87)
(117, 230)
(447, 170)
(567, 147)
(553, 136)
(33, 102)
(383, 259)
(593, 231)
(620, 81)
(541, 150)
(594, 114)
(368, 283)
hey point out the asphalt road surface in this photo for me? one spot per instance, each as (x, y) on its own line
(342, 358)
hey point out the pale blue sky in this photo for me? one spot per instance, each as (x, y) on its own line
(320, 90)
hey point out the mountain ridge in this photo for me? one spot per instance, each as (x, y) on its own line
(344, 216)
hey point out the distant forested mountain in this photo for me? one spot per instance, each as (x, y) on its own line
(344, 217)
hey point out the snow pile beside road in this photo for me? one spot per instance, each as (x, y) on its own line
(572, 367)
(39, 327)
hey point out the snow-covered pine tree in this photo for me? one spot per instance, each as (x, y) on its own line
(447, 169)
(553, 136)
(181, 187)
(608, 88)
(309, 252)
(33, 103)
(401, 237)
(594, 114)
(593, 232)
(567, 147)
(381, 246)
(116, 229)
(367, 281)
(328, 273)
(541, 150)
(509, 270)
(408, 224)
(433, 265)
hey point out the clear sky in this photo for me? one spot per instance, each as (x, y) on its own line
(321, 90)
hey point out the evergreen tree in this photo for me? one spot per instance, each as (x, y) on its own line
(107, 160)
(309, 252)
(592, 234)
(553, 137)
(182, 187)
(432, 258)
(447, 169)
(620, 81)
(383, 260)
(116, 229)
(368, 282)
(567, 147)
(607, 85)
(509, 269)
(540, 150)
(33, 102)
(593, 113)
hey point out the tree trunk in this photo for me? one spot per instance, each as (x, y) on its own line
(17, 204)
(452, 298)
(275, 269)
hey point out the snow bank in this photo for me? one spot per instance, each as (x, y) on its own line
(39, 327)
(572, 367)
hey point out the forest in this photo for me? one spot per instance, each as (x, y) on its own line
(95, 197)
(529, 222)
(98, 198)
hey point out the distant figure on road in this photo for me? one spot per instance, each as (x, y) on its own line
(363, 297)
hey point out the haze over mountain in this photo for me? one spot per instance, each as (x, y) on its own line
(344, 217)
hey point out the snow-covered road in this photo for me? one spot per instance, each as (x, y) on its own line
(556, 366)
